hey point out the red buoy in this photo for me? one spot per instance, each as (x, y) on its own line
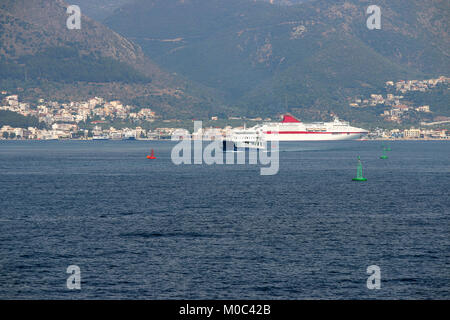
(152, 156)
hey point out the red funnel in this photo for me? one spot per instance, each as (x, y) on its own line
(289, 119)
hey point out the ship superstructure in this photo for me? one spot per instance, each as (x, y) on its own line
(291, 129)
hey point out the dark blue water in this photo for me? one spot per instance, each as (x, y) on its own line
(146, 229)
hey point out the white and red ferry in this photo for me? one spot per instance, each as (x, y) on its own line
(291, 129)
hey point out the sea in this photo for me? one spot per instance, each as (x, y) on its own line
(149, 229)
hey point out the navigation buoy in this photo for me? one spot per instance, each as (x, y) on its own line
(359, 172)
(384, 156)
(152, 155)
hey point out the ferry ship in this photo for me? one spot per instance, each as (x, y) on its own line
(291, 129)
(100, 138)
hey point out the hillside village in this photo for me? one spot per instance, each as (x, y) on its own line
(64, 118)
(396, 108)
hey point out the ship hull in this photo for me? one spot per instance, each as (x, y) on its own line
(323, 136)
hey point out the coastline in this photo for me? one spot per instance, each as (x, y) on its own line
(168, 139)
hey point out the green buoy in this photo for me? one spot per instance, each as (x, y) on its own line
(388, 147)
(359, 173)
(384, 156)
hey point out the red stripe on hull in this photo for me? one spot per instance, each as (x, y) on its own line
(308, 132)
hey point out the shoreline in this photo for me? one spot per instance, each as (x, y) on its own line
(377, 139)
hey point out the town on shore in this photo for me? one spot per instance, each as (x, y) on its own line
(94, 119)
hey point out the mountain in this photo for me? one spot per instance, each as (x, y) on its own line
(305, 58)
(99, 9)
(40, 54)
(32, 27)
(286, 2)
(197, 58)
